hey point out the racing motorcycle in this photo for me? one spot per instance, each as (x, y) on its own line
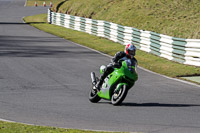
(116, 85)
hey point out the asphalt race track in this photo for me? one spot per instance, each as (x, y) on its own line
(44, 80)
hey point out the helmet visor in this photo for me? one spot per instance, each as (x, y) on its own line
(132, 52)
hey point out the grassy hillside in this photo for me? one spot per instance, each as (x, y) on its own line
(177, 18)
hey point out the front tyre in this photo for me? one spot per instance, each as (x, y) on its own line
(93, 97)
(119, 96)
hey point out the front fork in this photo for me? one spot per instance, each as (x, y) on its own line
(93, 77)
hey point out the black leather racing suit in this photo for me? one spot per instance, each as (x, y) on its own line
(117, 60)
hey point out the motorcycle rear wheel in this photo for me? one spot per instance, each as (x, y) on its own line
(93, 97)
(119, 96)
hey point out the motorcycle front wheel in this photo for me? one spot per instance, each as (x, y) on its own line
(119, 96)
(93, 97)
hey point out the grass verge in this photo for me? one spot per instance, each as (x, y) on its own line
(9, 127)
(145, 60)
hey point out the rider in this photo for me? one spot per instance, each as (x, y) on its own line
(129, 53)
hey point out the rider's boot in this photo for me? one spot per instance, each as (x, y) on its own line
(99, 84)
(101, 79)
(103, 76)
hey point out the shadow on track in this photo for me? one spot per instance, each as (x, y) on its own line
(157, 105)
(36, 46)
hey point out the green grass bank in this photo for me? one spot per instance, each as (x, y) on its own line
(176, 18)
(9, 127)
(145, 60)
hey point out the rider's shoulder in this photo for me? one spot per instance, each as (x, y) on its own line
(120, 53)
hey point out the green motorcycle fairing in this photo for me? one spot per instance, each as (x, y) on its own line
(125, 75)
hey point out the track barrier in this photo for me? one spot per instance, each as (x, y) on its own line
(185, 51)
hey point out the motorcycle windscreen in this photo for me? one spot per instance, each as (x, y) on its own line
(129, 69)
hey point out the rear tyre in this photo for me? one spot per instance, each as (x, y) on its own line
(119, 96)
(93, 97)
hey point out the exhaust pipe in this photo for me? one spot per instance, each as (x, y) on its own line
(93, 77)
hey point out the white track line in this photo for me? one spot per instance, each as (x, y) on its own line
(6, 120)
(183, 81)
